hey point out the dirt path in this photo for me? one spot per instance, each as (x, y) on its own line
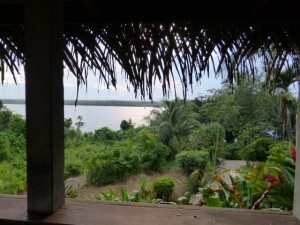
(228, 165)
(233, 164)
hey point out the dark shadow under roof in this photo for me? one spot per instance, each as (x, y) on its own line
(112, 11)
(153, 40)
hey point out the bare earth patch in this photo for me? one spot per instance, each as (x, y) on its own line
(131, 184)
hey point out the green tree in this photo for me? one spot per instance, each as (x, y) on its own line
(126, 125)
(287, 105)
(68, 123)
(246, 104)
(210, 137)
(173, 123)
(79, 124)
(106, 134)
(5, 116)
(17, 124)
(220, 107)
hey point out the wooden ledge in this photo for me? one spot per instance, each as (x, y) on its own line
(13, 211)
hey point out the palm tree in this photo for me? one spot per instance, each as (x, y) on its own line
(281, 86)
(173, 123)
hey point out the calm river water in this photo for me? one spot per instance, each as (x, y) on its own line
(96, 117)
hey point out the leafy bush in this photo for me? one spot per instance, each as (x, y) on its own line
(281, 179)
(4, 148)
(213, 134)
(5, 116)
(105, 134)
(68, 123)
(143, 194)
(109, 167)
(12, 181)
(282, 148)
(258, 150)
(194, 182)
(210, 137)
(124, 196)
(263, 186)
(190, 161)
(163, 188)
(154, 155)
(73, 168)
(231, 151)
(251, 133)
(17, 125)
(126, 125)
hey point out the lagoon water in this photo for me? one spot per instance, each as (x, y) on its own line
(96, 117)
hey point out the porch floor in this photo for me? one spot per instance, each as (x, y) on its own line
(13, 211)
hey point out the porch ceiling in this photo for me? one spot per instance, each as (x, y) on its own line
(90, 11)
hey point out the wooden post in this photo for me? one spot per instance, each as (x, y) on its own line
(296, 207)
(44, 105)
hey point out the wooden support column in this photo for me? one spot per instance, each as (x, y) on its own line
(296, 207)
(44, 105)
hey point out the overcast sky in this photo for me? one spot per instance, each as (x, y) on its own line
(96, 91)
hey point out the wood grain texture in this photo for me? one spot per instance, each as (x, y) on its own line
(13, 211)
(44, 105)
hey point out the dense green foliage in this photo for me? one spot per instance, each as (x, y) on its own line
(174, 123)
(110, 166)
(189, 161)
(244, 122)
(257, 150)
(153, 153)
(163, 188)
(265, 185)
(282, 148)
(126, 125)
(194, 182)
(12, 152)
(105, 134)
(12, 180)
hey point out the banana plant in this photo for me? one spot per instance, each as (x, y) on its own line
(237, 195)
(282, 193)
(266, 185)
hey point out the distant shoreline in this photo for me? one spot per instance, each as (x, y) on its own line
(95, 103)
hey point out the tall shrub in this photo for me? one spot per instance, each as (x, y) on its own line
(189, 161)
(163, 188)
(112, 166)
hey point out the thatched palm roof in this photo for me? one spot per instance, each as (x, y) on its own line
(186, 43)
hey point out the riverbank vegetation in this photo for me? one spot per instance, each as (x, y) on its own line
(190, 138)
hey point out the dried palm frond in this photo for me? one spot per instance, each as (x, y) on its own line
(156, 52)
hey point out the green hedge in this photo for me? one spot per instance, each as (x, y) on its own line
(12, 180)
(163, 188)
(106, 135)
(257, 150)
(109, 167)
(282, 148)
(73, 168)
(154, 155)
(189, 161)
(194, 182)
